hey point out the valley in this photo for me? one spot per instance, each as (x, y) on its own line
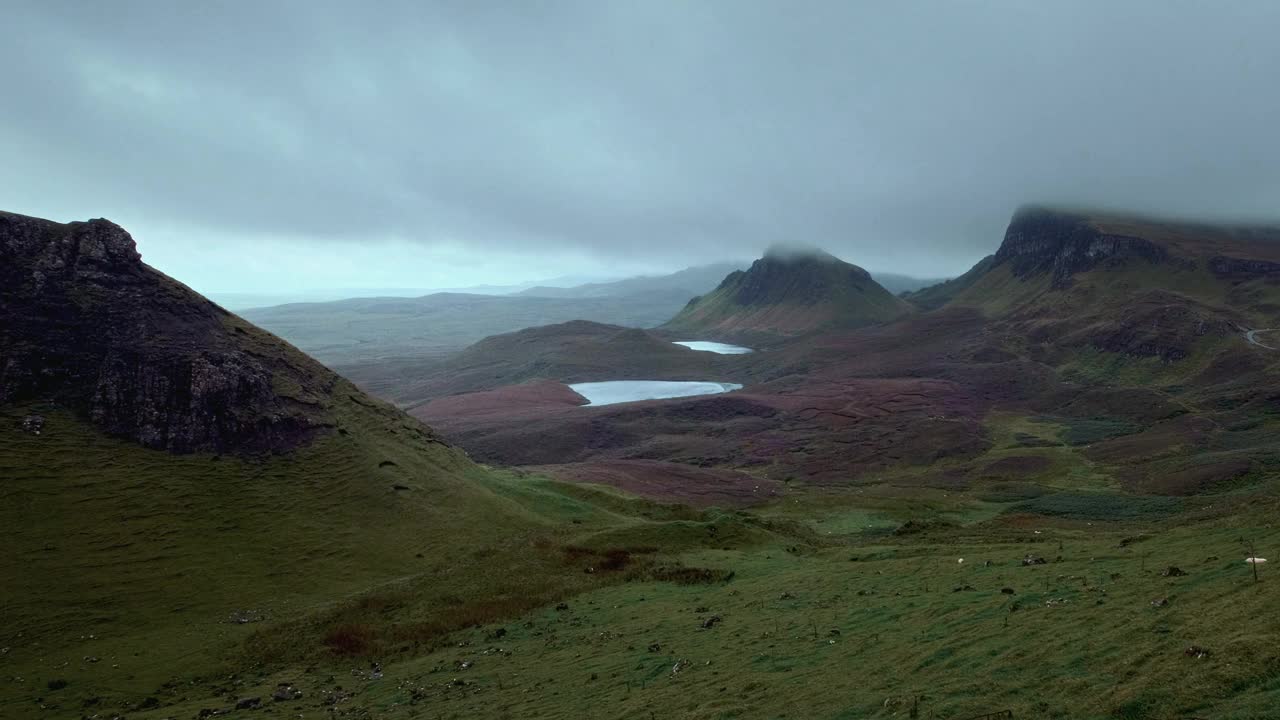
(846, 505)
(657, 360)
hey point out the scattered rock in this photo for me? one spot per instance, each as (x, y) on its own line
(1160, 602)
(1255, 560)
(285, 692)
(249, 703)
(243, 617)
(1032, 560)
(681, 664)
(498, 634)
(962, 588)
(702, 609)
(710, 622)
(833, 632)
(786, 596)
(655, 647)
(399, 487)
(32, 424)
(1196, 651)
(1173, 571)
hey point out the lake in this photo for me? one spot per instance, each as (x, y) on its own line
(715, 347)
(619, 391)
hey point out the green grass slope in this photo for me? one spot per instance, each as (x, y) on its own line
(177, 482)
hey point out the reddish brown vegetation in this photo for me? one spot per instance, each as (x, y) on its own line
(350, 640)
(671, 482)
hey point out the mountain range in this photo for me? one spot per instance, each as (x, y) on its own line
(395, 331)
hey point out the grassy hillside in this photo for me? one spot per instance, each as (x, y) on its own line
(577, 351)
(935, 296)
(713, 615)
(130, 572)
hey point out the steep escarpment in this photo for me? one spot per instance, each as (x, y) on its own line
(788, 292)
(1063, 243)
(1039, 240)
(89, 327)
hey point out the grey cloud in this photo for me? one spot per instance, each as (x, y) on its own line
(897, 135)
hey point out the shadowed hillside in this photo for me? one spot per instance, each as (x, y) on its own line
(788, 292)
(186, 494)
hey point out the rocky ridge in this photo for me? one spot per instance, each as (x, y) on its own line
(88, 326)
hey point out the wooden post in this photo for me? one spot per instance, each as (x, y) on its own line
(1253, 556)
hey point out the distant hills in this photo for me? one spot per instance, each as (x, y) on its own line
(687, 283)
(346, 332)
(248, 300)
(356, 330)
(788, 292)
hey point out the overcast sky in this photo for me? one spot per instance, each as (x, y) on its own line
(279, 146)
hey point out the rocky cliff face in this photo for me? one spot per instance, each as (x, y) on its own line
(86, 325)
(1039, 240)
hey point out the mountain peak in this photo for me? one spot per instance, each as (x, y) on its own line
(789, 252)
(789, 291)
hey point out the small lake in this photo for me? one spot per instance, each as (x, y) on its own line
(619, 391)
(715, 347)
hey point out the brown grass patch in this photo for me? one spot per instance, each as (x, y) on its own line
(351, 640)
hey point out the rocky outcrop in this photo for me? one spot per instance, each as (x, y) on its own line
(86, 325)
(1039, 240)
(1242, 268)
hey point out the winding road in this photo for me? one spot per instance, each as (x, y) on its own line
(1252, 337)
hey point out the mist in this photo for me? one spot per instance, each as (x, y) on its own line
(296, 146)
